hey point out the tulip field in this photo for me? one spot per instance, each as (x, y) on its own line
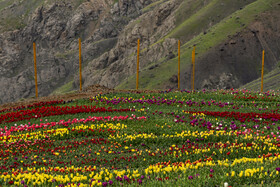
(171, 138)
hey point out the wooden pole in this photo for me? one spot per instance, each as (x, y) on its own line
(262, 70)
(193, 71)
(137, 76)
(179, 64)
(35, 69)
(80, 63)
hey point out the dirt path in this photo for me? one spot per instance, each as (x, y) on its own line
(89, 92)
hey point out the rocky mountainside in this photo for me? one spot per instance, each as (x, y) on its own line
(229, 37)
(56, 27)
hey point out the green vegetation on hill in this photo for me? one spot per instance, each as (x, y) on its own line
(64, 89)
(197, 21)
(152, 5)
(156, 78)
(270, 81)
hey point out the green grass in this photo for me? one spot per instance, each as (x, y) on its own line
(12, 23)
(204, 18)
(271, 81)
(64, 89)
(6, 3)
(152, 5)
(189, 8)
(66, 54)
(195, 17)
(73, 144)
(204, 42)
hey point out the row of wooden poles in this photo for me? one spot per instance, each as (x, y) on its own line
(179, 65)
(138, 62)
(193, 66)
(35, 66)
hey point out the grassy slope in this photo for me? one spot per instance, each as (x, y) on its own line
(270, 82)
(215, 35)
(149, 7)
(208, 15)
(67, 88)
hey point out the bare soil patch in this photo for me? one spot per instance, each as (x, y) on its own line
(88, 92)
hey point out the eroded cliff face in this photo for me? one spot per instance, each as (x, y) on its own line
(116, 65)
(238, 60)
(56, 28)
(231, 64)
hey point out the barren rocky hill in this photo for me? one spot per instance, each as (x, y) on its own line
(229, 37)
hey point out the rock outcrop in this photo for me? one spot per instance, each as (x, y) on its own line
(109, 31)
(117, 64)
(238, 60)
(55, 29)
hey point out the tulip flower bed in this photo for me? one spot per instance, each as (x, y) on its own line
(202, 138)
